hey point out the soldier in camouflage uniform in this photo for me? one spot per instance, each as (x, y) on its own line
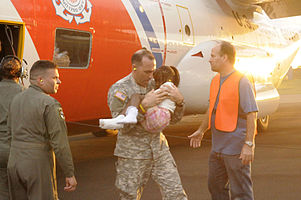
(142, 154)
(39, 134)
(10, 71)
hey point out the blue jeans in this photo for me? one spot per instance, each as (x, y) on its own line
(227, 173)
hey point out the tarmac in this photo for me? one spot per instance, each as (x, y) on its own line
(276, 171)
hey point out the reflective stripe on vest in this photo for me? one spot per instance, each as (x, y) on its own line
(227, 107)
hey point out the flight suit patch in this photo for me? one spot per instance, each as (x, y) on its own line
(61, 113)
(120, 95)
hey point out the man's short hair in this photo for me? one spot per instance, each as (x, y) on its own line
(40, 67)
(226, 48)
(138, 55)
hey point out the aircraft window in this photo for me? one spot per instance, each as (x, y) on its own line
(187, 30)
(72, 48)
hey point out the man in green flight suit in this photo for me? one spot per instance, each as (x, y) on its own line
(10, 71)
(39, 134)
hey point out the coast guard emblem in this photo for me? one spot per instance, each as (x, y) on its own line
(80, 10)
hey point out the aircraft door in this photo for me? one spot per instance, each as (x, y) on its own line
(12, 36)
(12, 39)
(186, 30)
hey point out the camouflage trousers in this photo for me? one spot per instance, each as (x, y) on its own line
(133, 174)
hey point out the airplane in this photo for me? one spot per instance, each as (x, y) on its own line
(92, 42)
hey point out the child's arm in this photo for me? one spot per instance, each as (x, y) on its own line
(175, 96)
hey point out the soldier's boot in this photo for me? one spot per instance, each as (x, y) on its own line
(131, 116)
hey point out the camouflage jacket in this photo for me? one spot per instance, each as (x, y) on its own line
(133, 141)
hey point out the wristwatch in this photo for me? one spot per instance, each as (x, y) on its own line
(249, 143)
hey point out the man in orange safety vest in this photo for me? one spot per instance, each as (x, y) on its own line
(231, 117)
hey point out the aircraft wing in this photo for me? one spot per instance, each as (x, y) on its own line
(282, 8)
(251, 2)
(273, 8)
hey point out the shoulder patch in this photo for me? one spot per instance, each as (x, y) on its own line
(120, 95)
(61, 113)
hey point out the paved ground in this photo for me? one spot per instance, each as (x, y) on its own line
(276, 169)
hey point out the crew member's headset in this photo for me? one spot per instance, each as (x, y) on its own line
(15, 58)
(22, 72)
